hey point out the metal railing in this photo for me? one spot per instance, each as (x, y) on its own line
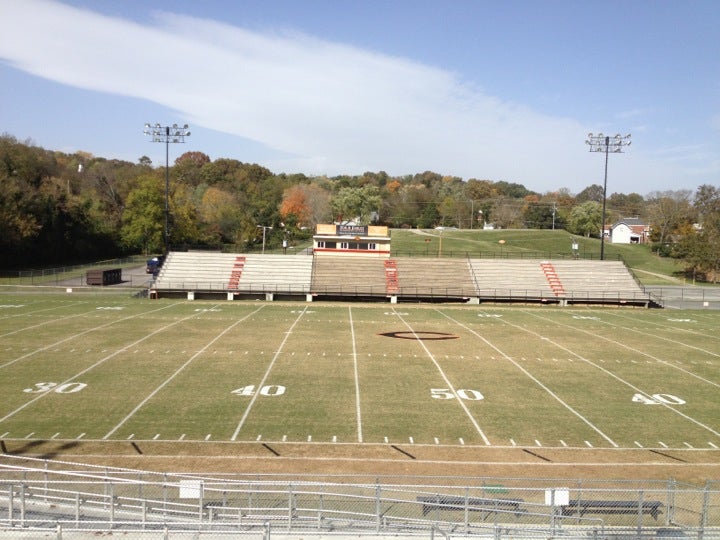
(62, 498)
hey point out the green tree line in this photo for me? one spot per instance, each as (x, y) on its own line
(57, 207)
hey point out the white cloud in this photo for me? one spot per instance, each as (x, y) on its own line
(324, 107)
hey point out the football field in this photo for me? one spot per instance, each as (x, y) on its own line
(107, 368)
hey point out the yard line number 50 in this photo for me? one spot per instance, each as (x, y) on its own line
(446, 393)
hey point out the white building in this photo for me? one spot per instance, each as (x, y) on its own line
(629, 231)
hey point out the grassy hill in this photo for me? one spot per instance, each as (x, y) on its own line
(531, 243)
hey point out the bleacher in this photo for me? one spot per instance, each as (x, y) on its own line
(598, 282)
(195, 271)
(230, 273)
(431, 278)
(399, 279)
(343, 276)
(511, 280)
(277, 274)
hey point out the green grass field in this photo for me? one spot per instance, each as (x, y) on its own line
(116, 369)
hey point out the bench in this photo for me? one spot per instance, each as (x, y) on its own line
(475, 504)
(612, 507)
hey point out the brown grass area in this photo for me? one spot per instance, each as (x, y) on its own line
(368, 460)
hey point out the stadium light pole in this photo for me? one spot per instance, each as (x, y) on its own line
(167, 134)
(604, 143)
(264, 228)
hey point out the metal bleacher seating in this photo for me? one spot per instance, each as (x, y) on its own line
(349, 276)
(435, 278)
(399, 278)
(508, 279)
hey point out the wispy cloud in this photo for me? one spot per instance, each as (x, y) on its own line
(325, 107)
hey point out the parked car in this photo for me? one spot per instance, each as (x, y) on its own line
(153, 265)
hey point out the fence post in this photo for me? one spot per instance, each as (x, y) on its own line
(201, 501)
(10, 505)
(704, 512)
(378, 508)
(58, 532)
(111, 498)
(640, 511)
(22, 505)
(321, 503)
(290, 507)
(467, 509)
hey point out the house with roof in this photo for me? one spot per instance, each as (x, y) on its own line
(629, 231)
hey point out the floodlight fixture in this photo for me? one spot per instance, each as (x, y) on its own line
(607, 144)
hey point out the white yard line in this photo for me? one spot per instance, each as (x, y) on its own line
(82, 334)
(616, 377)
(450, 385)
(26, 313)
(99, 362)
(642, 353)
(534, 379)
(663, 324)
(44, 323)
(178, 371)
(357, 378)
(265, 376)
(661, 338)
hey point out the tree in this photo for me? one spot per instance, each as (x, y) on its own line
(220, 216)
(585, 219)
(668, 211)
(295, 204)
(143, 220)
(356, 204)
(591, 193)
(700, 247)
(539, 215)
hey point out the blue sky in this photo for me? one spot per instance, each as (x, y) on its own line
(504, 90)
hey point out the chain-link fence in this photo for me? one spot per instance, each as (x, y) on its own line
(50, 499)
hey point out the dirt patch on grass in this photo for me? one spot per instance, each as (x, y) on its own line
(375, 460)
